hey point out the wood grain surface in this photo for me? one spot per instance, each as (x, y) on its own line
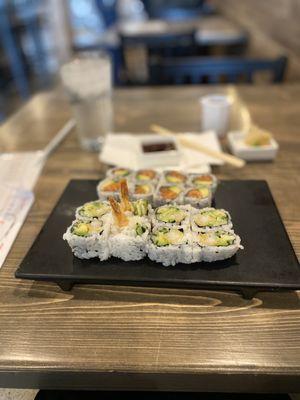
(147, 338)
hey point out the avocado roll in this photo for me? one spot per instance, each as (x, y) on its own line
(142, 191)
(119, 173)
(146, 175)
(171, 215)
(166, 194)
(216, 245)
(88, 239)
(174, 177)
(199, 197)
(201, 180)
(170, 246)
(93, 209)
(210, 219)
(129, 234)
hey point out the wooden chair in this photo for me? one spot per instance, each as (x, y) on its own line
(215, 70)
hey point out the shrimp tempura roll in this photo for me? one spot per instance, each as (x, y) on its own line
(129, 234)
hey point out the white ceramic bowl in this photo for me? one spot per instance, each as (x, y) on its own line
(251, 153)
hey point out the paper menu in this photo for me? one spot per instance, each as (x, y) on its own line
(22, 169)
(14, 206)
(18, 175)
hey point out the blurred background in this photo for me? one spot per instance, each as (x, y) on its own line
(150, 42)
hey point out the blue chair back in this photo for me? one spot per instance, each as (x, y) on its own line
(108, 11)
(215, 70)
(164, 45)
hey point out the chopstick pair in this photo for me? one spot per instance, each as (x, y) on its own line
(227, 158)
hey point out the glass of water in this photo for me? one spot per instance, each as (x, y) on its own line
(87, 81)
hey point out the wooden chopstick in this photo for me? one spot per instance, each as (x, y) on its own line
(227, 158)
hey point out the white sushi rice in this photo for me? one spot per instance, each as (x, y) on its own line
(85, 247)
(217, 253)
(196, 228)
(171, 254)
(126, 244)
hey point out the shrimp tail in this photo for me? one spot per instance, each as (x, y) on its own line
(119, 217)
(124, 194)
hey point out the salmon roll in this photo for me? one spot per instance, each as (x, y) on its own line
(168, 194)
(201, 180)
(198, 197)
(173, 177)
(119, 173)
(142, 191)
(108, 187)
(146, 176)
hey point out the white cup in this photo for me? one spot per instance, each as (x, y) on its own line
(216, 113)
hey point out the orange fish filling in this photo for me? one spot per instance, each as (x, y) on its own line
(146, 174)
(174, 176)
(141, 189)
(203, 178)
(111, 187)
(169, 193)
(195, 193)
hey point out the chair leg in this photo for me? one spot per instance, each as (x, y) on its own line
(14, 56)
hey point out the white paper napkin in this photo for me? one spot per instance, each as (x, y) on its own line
(120, 149)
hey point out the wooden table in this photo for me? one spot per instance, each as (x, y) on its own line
(146, 338)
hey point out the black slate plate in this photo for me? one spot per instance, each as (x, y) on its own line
(268, 261)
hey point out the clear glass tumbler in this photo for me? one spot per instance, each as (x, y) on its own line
(87, 81)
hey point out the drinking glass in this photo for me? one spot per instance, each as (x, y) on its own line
(87, 82)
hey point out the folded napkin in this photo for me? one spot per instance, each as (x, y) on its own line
(120, 149)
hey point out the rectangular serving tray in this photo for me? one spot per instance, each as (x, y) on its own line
(268, 261)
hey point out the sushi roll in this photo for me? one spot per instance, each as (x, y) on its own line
(146, 176)
(210, 219)
(141, 207)
(129, 234)
(173, 177)
(88, 239)
(199, 197)
(119, 173)
(201, 180)
(138, 207)
(166, 194)
(216, 245)
(171, 215)
(170, 246)
(108, 187)
(93, 209)
(142, 191)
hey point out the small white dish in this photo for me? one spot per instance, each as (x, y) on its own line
(239, 148)
(154, 151)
